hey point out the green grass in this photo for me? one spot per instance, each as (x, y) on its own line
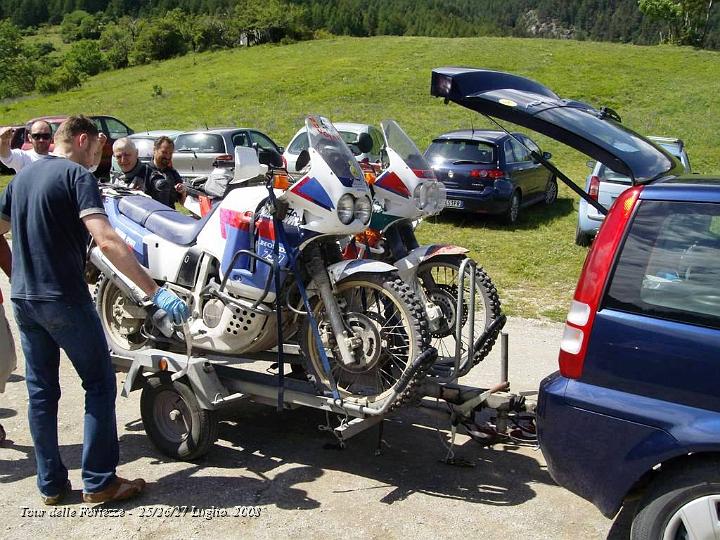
(657, 90)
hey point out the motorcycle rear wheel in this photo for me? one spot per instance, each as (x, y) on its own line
(386, 315)
(439, 279)
(121, 319)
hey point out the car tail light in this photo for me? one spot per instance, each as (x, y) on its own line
(494, 174)
(424, 173)
(225, 160)
(592, 281)
(594, 188)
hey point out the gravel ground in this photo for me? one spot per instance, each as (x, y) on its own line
(272, 475)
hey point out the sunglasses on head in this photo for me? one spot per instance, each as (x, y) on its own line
(40, 136)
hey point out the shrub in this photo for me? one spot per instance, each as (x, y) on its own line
(86, 58)
(61, 80)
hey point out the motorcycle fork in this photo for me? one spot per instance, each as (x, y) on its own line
(401, 241)
(346, 342)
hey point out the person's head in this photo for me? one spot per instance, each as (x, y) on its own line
(126, 154)
(40, 136)
(77, 139)
(162, 152)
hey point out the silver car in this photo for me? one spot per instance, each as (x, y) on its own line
(605, 185)
(198, 152)
(348, 131)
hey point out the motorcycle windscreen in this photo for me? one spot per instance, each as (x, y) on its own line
(404, 146)
(325, 139)
(529, 104)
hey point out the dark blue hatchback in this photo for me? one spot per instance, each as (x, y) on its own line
(491, 172)
(634, 412)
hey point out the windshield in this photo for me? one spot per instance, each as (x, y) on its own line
(403, 145)
(326, 140)
(459, 150)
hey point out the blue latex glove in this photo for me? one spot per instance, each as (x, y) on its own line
(171, 304)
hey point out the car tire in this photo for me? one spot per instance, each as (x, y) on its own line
(551, 191)
(686, 496)
(513, 211)
(582, 238)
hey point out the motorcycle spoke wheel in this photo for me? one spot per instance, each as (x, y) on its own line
(387, 318)
(439, 279)
(121, 319)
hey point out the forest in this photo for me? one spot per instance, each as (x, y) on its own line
(597, 20)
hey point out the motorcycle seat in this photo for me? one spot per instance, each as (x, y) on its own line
(175, 227)
(139, 208)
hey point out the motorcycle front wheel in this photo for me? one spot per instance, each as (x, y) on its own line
(389, 331)
(439, 279)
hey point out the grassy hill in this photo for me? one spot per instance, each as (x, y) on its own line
(657, 90)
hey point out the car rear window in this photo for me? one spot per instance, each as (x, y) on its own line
(607, 174)
(452, 150)
(200, 142)
(670, 264)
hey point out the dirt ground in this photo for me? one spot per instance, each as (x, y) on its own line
(275, 475)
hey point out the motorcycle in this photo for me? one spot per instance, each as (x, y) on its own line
(264, 266)
(405, 191)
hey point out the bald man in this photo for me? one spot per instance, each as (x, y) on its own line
(40, 137)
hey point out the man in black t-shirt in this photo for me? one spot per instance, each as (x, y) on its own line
(51, 206)
(165, 184)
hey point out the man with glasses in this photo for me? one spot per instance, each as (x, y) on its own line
(40, 137)
(50, 207)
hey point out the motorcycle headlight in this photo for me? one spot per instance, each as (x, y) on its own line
(437, 194)
(420, 195)
(346, 209)
(363, 209)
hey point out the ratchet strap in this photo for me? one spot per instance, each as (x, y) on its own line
(292, 254)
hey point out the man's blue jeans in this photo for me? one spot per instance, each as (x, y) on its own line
(45, 328)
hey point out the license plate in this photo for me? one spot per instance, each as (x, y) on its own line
(451, 203)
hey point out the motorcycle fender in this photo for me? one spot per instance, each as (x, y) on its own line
(408, 265)
(344, 269)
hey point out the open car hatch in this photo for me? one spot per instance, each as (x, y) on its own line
(522, 101)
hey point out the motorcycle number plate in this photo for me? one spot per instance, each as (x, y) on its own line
(452, 203)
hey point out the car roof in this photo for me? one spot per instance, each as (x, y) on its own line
(488, 135)
(352, 127)
(217, 131)
(691, 188)
(155, 133)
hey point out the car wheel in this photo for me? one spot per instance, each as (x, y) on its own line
(682, 503)
(551, 191)
(513, 211)
(582, 239)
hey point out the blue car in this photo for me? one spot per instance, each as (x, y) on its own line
(633, 414)
(491, 172)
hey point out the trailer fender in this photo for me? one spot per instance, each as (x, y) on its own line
(344, 269)
(408, 265)
(201, 377)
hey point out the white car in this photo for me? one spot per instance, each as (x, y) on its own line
(349, 132)
(605, 185)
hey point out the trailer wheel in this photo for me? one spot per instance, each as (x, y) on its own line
(173, 419)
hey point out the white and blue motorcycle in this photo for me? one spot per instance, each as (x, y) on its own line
(265, 249)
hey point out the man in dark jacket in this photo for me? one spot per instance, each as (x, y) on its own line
(158, 179)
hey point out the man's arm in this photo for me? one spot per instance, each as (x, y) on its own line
(5, 254)
(118, 253)
(5, 138)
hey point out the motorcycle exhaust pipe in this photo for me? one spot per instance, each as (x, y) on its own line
(128, 288)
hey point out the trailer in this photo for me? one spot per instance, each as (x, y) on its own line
(183, 394)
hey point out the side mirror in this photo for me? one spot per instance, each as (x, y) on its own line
(302, 160)
(364, 143)
(270, 157)
(281, 149)
(547, 156)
